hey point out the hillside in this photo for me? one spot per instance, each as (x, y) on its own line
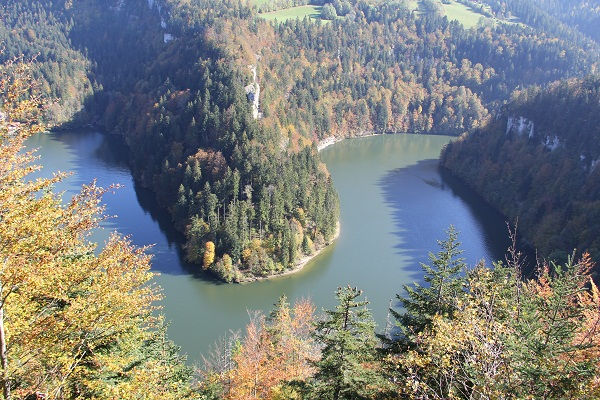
(220, 107)
(223, 106)
(381, 67)
(538, 161)
(249, 206)
(577, 20)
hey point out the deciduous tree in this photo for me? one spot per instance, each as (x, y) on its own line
(75, 320)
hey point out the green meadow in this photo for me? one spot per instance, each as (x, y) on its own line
(313, 12)
(454, 11)
(462, 13)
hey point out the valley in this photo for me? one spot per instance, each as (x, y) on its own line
(295, 199)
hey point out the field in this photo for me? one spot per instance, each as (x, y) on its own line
(463, 14)
(454, 11)
(314, 12)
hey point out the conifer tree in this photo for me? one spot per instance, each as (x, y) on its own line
(422, 303)
(345, 370)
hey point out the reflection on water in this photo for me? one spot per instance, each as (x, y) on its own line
(394, 206)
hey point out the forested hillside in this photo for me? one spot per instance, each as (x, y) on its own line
(538, 161)
(385, 68)
(574, 19)
(32, 29)
(381, 67)
(249, 204)
(241, 179)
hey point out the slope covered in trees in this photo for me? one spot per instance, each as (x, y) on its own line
(538, 162)
(573, 19)
(31, 29)
(233, 186)
(172, 77)
(380, 67)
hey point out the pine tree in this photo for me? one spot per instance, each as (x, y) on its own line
(345, 370)
(422, 303)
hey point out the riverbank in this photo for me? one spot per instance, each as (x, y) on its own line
(323, 144)
(300, 264)
(331, 140)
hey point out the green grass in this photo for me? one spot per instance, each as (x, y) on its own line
(260, 2)
(314, 12)
(461, 13)
(412, 5)
(455, 11)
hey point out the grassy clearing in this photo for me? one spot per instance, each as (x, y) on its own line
(412, 5)
(463, 14)
(258, 2)
(455, 11)
(313, 12)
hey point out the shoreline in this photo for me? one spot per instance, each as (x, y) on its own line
(301, 263)
(331, 140)
(323, 144)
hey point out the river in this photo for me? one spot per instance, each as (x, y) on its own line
(395, 204)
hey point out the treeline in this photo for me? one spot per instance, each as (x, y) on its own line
(469, 333)
(543, 171)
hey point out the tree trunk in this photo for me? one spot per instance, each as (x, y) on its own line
(3, 355)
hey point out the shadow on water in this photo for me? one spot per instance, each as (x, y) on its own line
(424, 202)
(104, 157)
(148, 203)
(492, 228)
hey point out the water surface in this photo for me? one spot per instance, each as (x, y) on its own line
(395, 204)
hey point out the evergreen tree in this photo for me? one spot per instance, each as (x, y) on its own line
(422, 303)
(349, 347)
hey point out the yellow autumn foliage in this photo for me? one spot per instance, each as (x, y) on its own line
(209, 254)
(69, 311)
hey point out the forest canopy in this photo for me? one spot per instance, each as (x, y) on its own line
(220, 107)
(537, 162)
